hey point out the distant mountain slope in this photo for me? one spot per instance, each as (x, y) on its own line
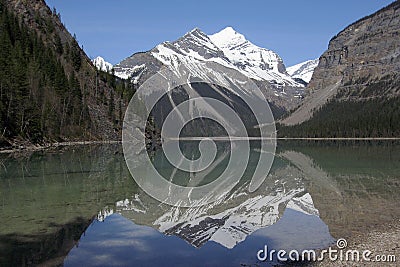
(102, 65)
(355, 89)
(303, 70)
(197, 53)
(50, 90)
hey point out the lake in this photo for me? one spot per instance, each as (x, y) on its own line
(79, 206)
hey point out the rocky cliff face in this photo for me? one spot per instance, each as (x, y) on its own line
(361, 62)
(362, 54)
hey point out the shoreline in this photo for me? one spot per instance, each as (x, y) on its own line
(341, 138)
(234, 138)
(384, 240)
(32, 148)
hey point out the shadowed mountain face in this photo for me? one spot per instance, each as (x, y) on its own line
(49, 199)
(202, 126)
(361, 63)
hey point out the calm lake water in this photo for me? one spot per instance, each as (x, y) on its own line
(79, 206)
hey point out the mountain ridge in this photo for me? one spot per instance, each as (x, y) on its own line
(303, 70)
(195, 49)
(241, 51)
(219, 53)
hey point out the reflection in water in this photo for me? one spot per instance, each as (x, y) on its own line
(119, 241)
(48, 200)
(229, 220)
(355, 186)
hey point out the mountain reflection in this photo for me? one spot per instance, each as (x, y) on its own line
(227, 221)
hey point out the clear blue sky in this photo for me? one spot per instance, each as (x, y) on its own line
(296, 29)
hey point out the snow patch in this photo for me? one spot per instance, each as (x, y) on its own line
(102, 65)
(303, 70)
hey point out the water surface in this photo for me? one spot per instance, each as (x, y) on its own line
(80, 206)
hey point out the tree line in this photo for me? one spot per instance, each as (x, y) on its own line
(376, 117)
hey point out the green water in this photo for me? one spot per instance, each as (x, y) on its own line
(49, 200)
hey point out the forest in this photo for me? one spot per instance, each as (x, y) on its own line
(42, 95)
(376, 117)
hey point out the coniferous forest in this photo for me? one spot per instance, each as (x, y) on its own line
(378, 117)
(47, 86)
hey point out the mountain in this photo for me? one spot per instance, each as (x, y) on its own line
(354, 91)
(50, 89)
(253, 61)
(197, 53)
(102, 65)
(303, 70)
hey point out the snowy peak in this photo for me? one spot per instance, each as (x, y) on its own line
(196, 44)
(102, 65)
(227, 47)
(197, 54)
(256, 62)
(228, 38)
(197, 33)
(303, 70)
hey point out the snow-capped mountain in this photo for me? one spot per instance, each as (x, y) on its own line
(255, 62)
(227, 47)
(303, 70)
(197, 54)
(101, 64)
